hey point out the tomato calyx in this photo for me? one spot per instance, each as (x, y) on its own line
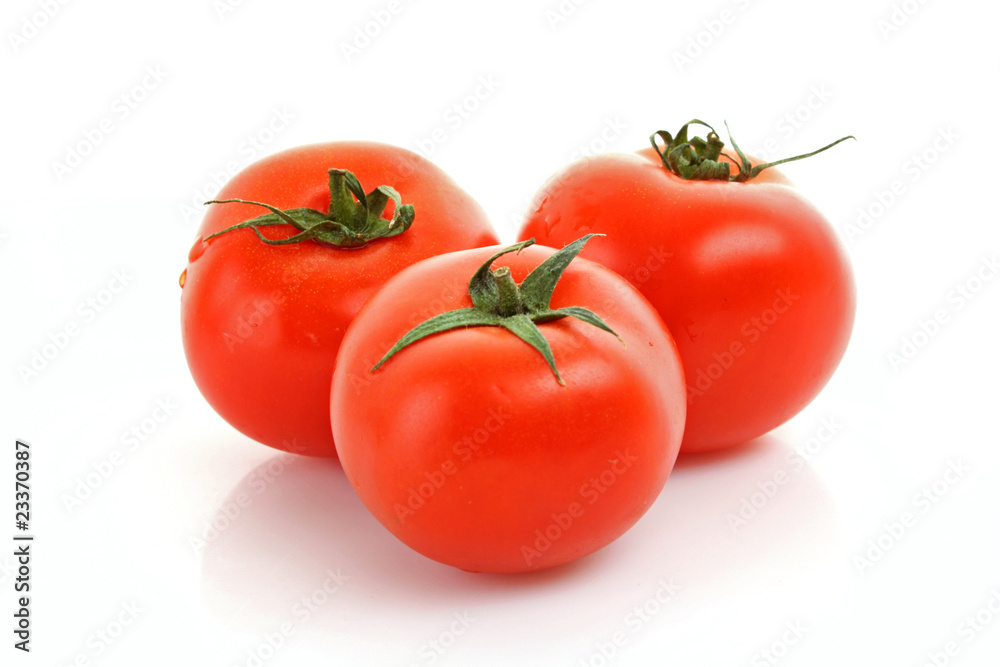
(500, 302)
(353, 219)
(697, 159)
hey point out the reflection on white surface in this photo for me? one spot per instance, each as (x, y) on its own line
(303, 551)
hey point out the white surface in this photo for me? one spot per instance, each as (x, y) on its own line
(608, 68)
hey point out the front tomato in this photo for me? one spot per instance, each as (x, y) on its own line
(262, 323)
(491, 444)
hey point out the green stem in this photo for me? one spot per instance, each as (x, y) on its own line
(500, 302)
(508, 302)
(352, 220)
(697, 159)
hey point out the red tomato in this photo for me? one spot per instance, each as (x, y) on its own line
(465, 445)
(262, 323)
(749, 276)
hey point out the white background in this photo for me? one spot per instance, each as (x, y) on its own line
(115, 578)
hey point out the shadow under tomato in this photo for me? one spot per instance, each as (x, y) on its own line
(297, 527)
(756, 509)
(301, 528)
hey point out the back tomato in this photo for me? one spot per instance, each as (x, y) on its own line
(749, 277)
(262, 324)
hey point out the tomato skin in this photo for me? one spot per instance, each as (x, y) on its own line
(262, 324)
(750, 278)
(464, 445)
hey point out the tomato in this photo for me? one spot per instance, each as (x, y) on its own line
(748, 274)
(262, 323)
(516, 435)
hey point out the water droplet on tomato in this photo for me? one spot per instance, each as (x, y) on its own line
(542, 205)
(180, 281)
(551, 219)
(197, 250)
